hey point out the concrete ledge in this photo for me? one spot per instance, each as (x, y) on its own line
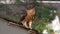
(49, 1)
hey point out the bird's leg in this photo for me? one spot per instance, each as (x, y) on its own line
(30, 24)
(25, 24)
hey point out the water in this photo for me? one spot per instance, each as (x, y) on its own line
(45, 31)
(56, 25)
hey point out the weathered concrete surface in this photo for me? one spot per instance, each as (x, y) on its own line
(5, 29)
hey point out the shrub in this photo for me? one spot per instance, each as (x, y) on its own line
(43, 16)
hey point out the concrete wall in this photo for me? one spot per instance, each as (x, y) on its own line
(7, 1)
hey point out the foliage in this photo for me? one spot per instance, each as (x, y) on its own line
(10, 17)
(44, 12)
(43, 16)
(4, 13)
(50, 31)
(41, 26)
(4, 7)
(34, 0)
(18, 2)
